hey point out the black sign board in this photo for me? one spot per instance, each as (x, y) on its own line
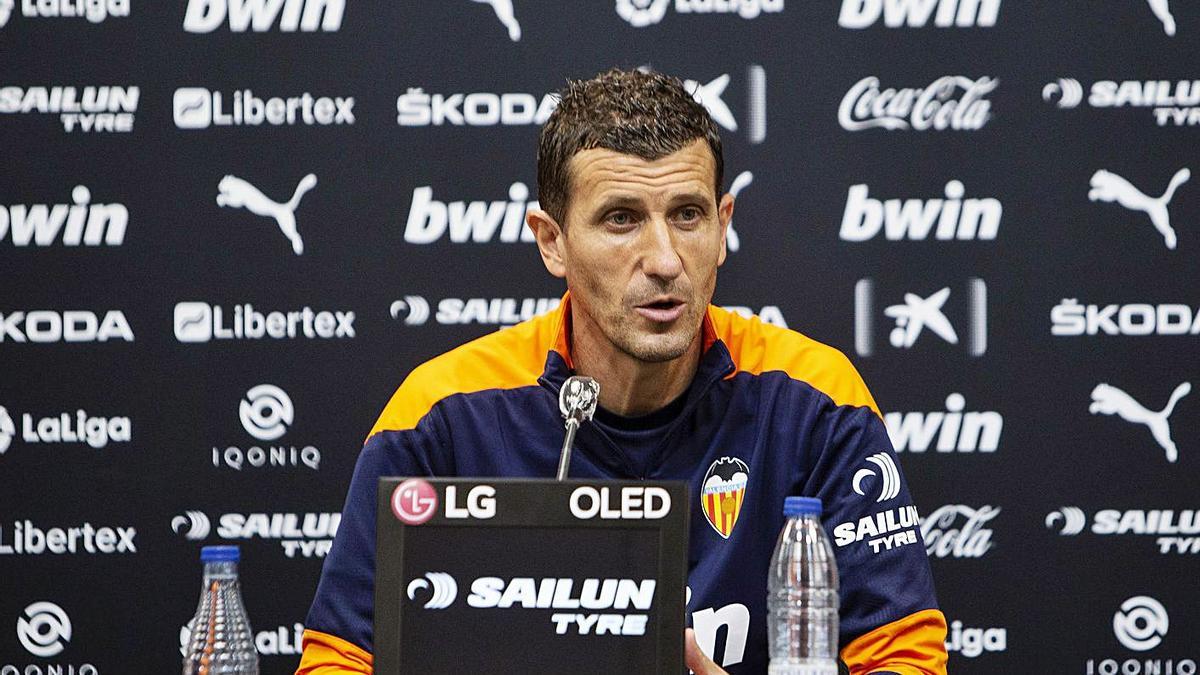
(525, 575)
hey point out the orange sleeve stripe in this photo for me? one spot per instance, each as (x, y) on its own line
(507, 359)
(326, 654)
(757, 348)
(914, 645)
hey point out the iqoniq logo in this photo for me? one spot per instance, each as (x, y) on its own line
(266, 412)
(44, 629)
(1109, 187)
(1141, 623)
(1108, 400)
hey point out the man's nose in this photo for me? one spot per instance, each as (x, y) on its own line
(659, 257)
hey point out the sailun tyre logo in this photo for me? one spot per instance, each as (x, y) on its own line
(416, 307)
(442, 587)
(889, 477)
(1072, 517)
(1141, 623)
(266, 412)
(1068, 90)
(44, 629)
(7, 430)
(195, 523)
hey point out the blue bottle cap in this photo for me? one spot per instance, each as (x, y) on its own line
(219, 554)
(796, 506)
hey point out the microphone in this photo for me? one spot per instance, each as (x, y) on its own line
(577, 402)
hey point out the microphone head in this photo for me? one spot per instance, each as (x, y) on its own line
(578, 398)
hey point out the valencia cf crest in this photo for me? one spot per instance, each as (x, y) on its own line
(722, 494)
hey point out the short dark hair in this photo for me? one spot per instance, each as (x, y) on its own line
(633, 112)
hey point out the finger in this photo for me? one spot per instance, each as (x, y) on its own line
(697, 661)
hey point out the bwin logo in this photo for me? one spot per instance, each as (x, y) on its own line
(266, 412)
(1109, 187)
(1072, 517)
(1141, 623)
(237, 193)
(80, 222)
(443, 588)
(1069, 91)
(1108, 400)
(504, 12)
(889, 477)
(196, 524)
(950, 13)
(205, 16)
(44, 629)
(7, 430)
(416, 307)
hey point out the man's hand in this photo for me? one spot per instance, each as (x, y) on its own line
(697, 661)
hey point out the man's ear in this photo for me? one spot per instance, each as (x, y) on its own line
(725, 216)
(549, 236)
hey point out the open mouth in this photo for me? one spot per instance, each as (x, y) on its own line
(661, 310)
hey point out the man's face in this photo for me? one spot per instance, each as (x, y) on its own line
(641, 246)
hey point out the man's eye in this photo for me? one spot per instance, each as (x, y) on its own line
(620, 218)
(689, 214)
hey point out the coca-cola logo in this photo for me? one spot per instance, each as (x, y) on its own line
(950, 102)
(946, 536)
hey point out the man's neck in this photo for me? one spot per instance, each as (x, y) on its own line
(628, 386)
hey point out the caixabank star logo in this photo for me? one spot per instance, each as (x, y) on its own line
(723, 492)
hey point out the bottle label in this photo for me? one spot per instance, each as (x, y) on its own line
(802, 669)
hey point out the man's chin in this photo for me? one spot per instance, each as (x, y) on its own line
(658, 348)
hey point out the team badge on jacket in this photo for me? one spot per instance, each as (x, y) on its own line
(722, 494)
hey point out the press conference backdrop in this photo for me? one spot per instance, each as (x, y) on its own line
(230, 228)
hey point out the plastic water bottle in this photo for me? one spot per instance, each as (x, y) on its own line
(802, 598)
(221, 642)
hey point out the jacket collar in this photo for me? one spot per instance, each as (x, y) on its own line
(715, 360)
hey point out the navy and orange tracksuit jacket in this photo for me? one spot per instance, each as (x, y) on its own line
(790, 413)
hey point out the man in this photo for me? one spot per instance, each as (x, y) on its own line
(629, 177)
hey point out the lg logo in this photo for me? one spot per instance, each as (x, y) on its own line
(414, 501)
(1141, 623)
(44, 629)
(266, 412)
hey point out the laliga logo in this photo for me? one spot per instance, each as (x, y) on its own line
(642, 13)
(414, 501)
(1068, 89)
(1141, 623)
(266, 412)
(444, 589)
(45, 630)
(415, 305)
(7, 430)
(197, 525)
(890, 484)
(1073, 520)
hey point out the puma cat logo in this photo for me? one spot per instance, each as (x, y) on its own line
(1162, 10)
(504, 12)
(237, 193)
(1108, 400)
(1109, 187)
